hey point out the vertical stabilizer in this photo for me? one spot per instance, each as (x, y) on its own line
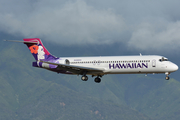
(37, 49)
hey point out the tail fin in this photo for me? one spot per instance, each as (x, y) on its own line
(37, 49)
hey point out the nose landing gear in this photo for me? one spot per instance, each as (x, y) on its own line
(167, 75)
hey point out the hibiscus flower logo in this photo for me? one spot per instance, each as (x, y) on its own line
(34, 49)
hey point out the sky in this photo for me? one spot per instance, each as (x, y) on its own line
(136, 24)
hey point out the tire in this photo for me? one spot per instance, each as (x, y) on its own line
(167, 77)
(97, 80)
(84, 78)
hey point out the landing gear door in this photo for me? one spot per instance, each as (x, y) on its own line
(153, 63)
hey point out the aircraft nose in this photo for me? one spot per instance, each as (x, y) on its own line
(175, 67)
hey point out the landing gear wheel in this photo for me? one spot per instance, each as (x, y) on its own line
(84, 78)
(167, 77)
(97, 80)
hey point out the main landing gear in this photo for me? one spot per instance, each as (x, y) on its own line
(167, 75)
(97, 80)
(85, 78)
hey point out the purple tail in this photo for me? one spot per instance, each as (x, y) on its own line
(38, 50)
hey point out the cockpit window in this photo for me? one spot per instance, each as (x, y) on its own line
(163, 59)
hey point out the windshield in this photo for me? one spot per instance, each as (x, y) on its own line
(163, 59)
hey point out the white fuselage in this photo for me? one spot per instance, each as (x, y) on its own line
(125, 64)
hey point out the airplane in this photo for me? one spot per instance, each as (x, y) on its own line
(98, 66)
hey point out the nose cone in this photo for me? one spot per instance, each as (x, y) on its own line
(175, 67)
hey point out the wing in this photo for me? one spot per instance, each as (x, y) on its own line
(77, 69)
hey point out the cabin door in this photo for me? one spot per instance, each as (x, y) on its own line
(153, 63)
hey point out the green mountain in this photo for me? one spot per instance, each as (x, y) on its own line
(32, 93)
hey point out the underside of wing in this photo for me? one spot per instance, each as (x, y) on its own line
(77, 69)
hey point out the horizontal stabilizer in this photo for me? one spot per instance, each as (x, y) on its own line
(34, 42)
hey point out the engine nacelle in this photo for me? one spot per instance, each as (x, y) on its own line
(67, 62)
(50, 66)
(63, 61)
